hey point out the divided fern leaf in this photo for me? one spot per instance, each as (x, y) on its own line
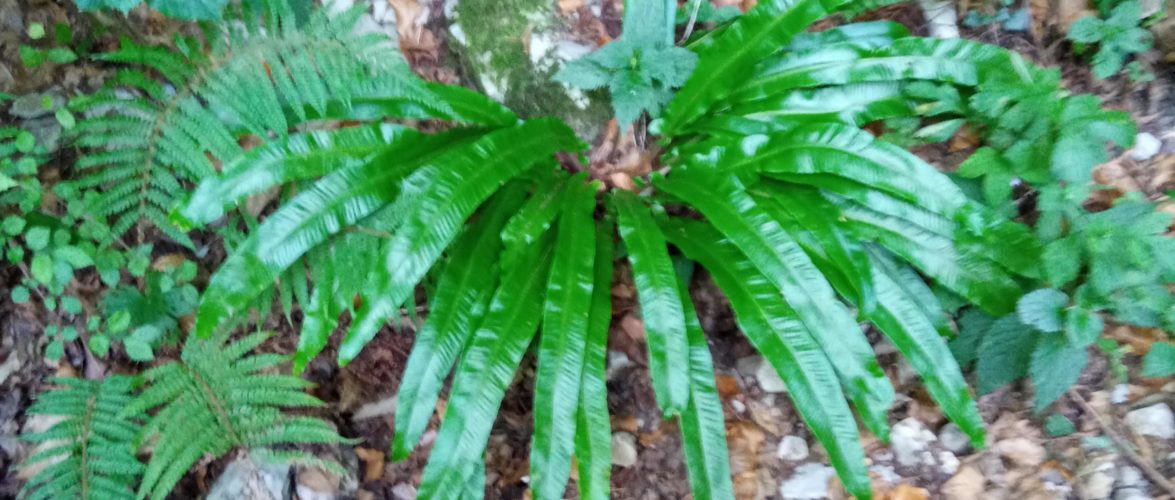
(216, 399)
(89, 453)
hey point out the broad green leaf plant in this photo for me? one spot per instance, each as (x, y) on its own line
(767, 181)
(806, 222)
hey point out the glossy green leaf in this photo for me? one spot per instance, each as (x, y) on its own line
(463, 178)
(818, 220)
(534, 218)
(463, 295)
(725, 62)
(593, 428)
(661, 307)
(733, 212)
(339, 200)
(301, 156)
(562, 345)
(703, 424)
(485, 371)
(907, 325)
(773, 329)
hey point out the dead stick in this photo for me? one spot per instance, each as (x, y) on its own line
(1126, 447)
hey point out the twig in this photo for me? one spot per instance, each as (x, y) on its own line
(1124, 445)
(693, 19)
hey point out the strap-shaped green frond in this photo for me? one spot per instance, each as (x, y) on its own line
(485, 371)
(453, 185)
(335, 202)
(463, 295)
(88, 454)
(661, 306)
(763, 241)
(593, 428)
(563, 343)
(775, 331)
(703, 424)
(215, 399)
(725, 62)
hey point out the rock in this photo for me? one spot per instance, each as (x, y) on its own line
(1132, 494)
(948, 463)
(764, 374)
(382, 408)
(792, 448)
(885, 473)
(244, 479)
(31, 106)
(1121, 392)
(623, 449)
(967, 484)
(47, 131)
(808, 482)
(1148, 8)
(1146, 146)
(312, 483)
(1021, 451)
(909, 441)
(954, 440)
(1155, 420)
(1130, 476)
(11, 18)
(1098, 481)
(6, 79)
(617, 362)
(404, 491)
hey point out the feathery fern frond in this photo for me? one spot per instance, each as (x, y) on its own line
(171, 117)
(89, 453)
(218, 398)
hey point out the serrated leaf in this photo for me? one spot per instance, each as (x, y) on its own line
(191, 10)
(1043, 309)
(1082, 326)
(973, 326)
(1055, 367)
(1159, 361)
(138, 350)
(37, 238)
(1057, 425)
(1005, 353)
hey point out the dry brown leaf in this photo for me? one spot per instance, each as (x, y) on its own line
(966, 485)
(569, 6)
(407, 12)
(169, 261)
(633, 327)
(1139, 339)
(904, 492)
(373, 463)
(964, 139)
(627, 423)
(727, 386)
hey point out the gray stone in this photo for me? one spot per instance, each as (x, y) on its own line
(954, 439)
(1098, 479)
(11, 17)
(1155, 420)
(809, 482)
(1130, 477)
(886, 473)
(382, 408)
(245, 479)
(617, 363)
(792, 448)
(764, 374)
(47, 131)
(404, 491)
(909, 441)
(1146, 146)
(1132, 494)
(623, 449)
(6, 78)
(948, 463)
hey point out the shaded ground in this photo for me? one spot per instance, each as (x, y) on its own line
(926, 460)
